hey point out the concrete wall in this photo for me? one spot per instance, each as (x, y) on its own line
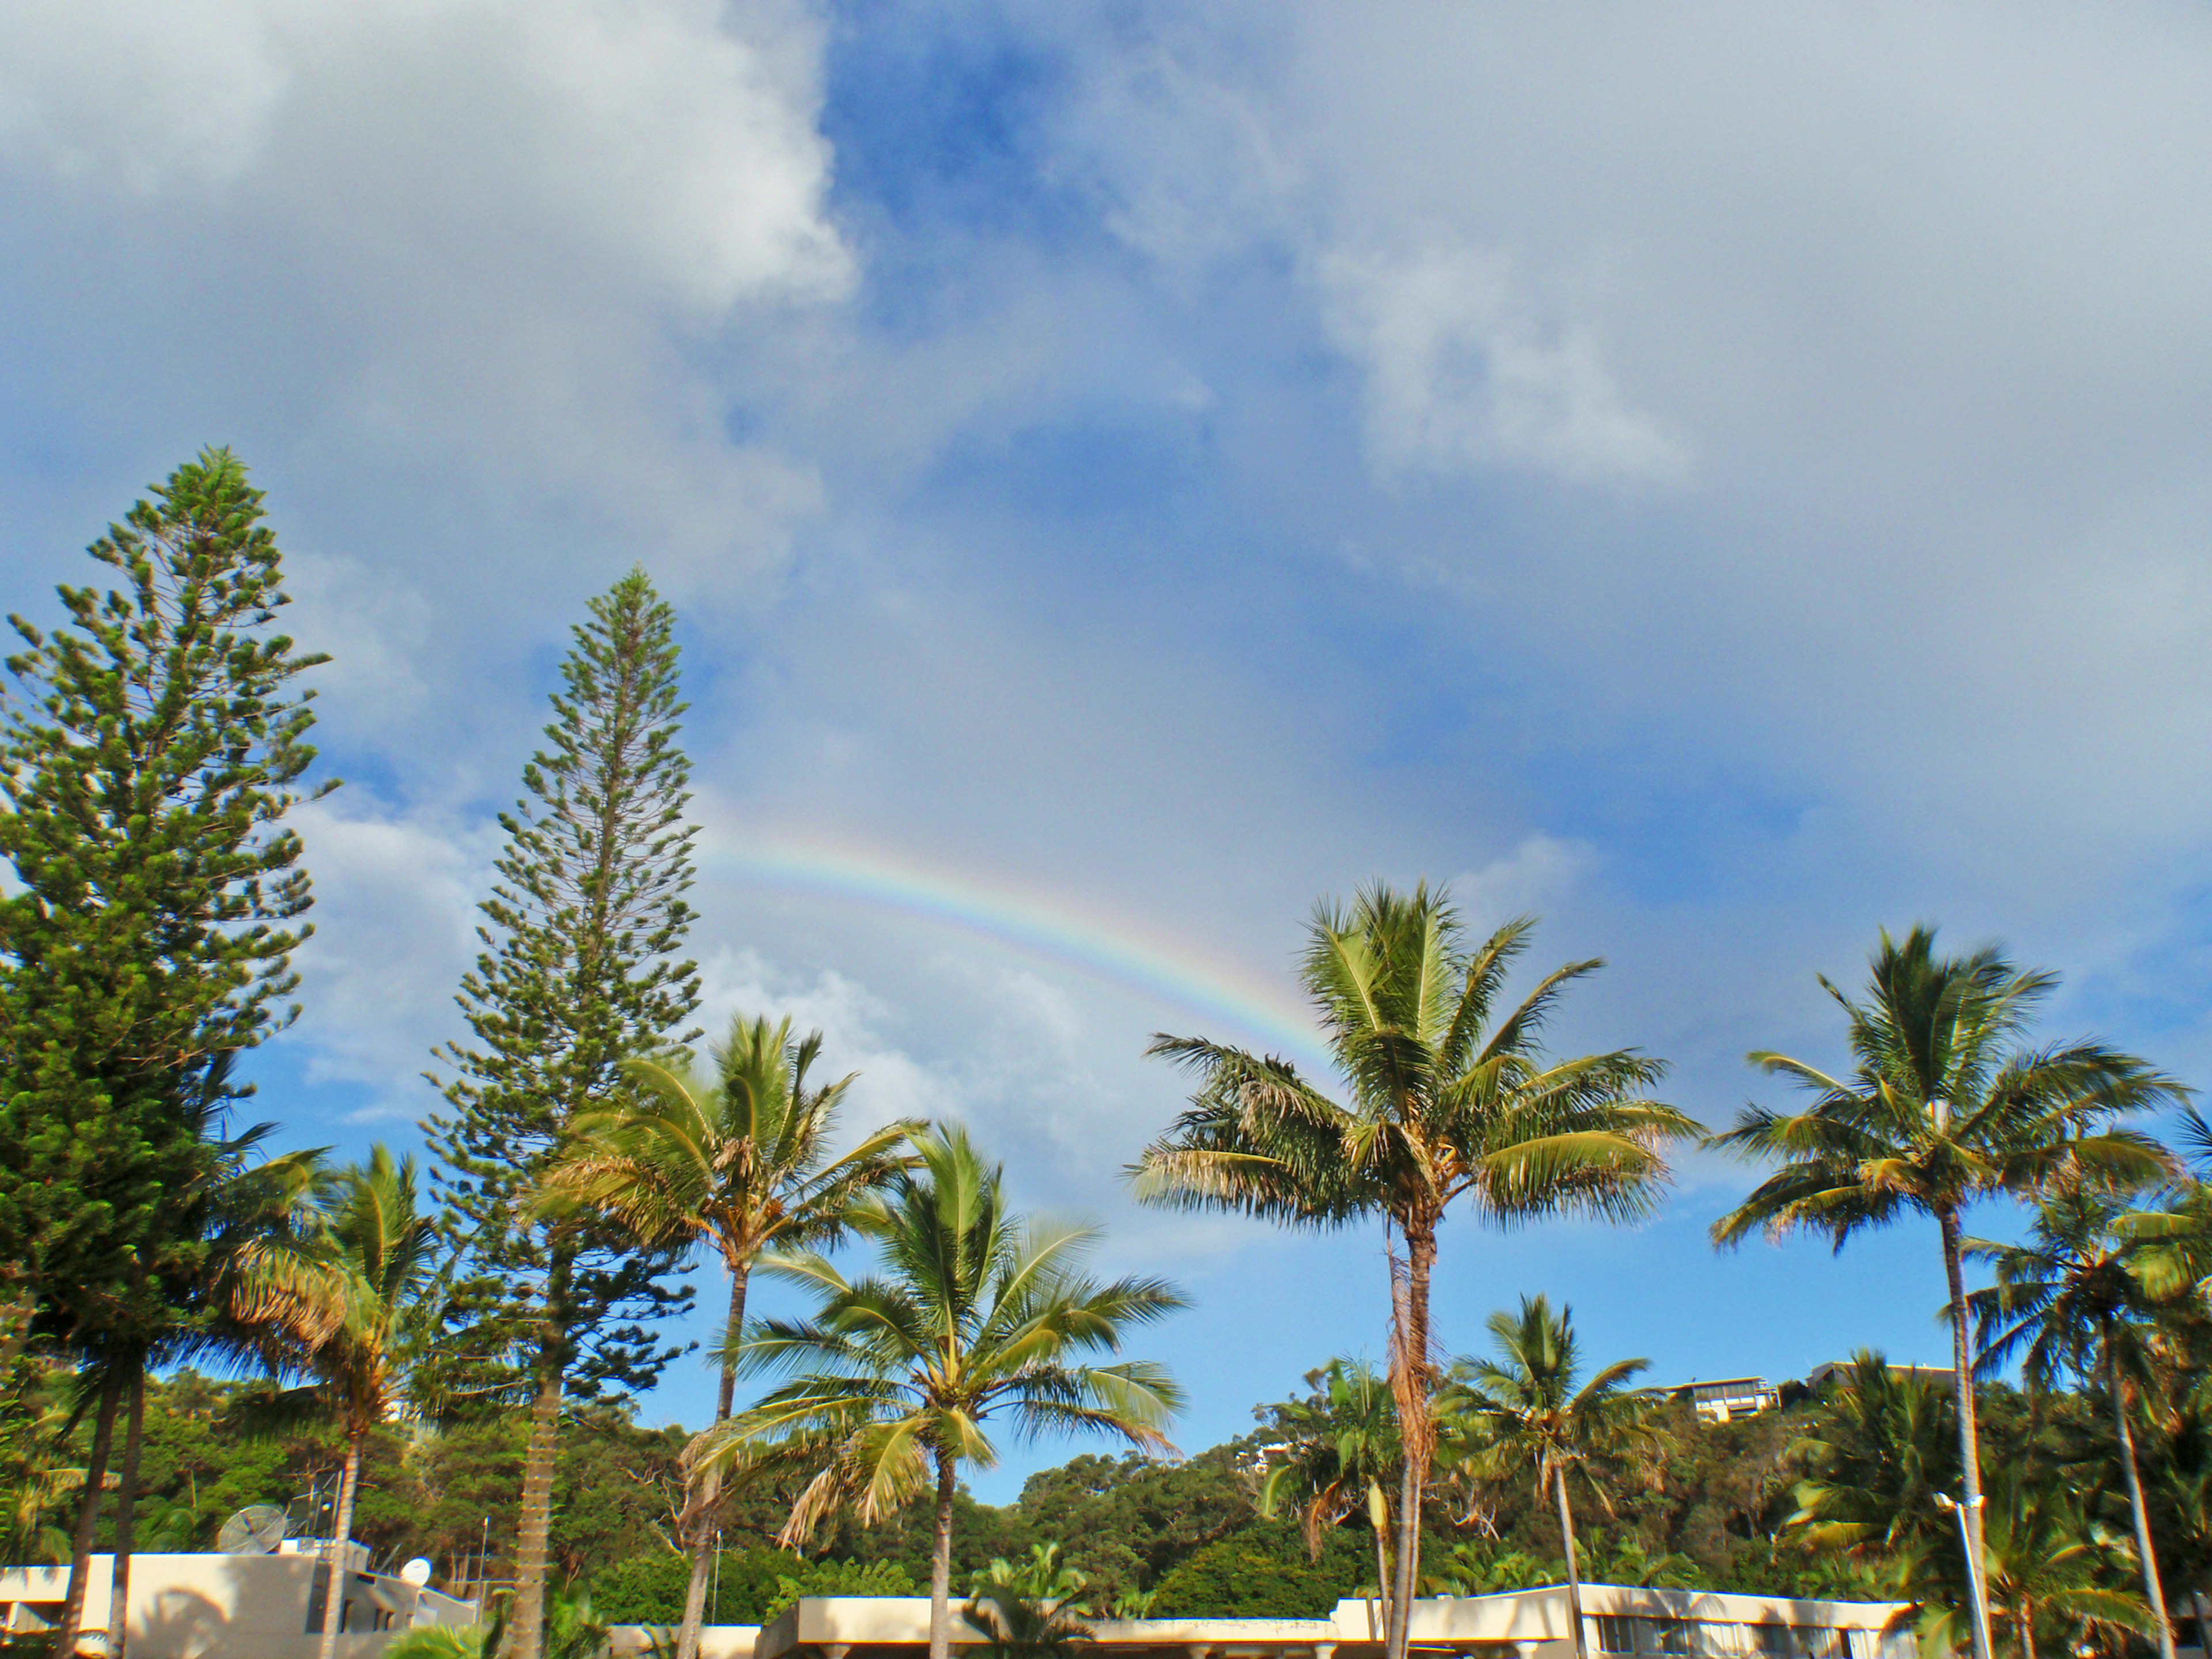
(239, 1607)
(1532, 1624)
(715, 1641)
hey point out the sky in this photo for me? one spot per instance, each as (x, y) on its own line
(1724, 478)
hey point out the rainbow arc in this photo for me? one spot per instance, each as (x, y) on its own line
(1116, 948)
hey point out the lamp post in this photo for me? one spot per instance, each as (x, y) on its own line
(1976, 1594)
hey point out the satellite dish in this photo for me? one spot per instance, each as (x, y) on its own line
(257, 1529)
(416, 1572)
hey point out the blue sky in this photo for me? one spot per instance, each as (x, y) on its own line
(1724, 479)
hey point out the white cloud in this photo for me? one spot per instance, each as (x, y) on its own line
(395, 919)
(459, 261)
(852, 1018)
(1461, 373)
(672, 141)
(1539, 871)
(969, 1039)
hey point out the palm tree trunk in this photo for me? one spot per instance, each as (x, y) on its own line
(126, 1514)
(1378, 1519)
(940, 1564)
(2152, 1589)
(2026, 1613)
(534, 1528)
(1970, 1439)
(702, 1543)
(1412, 1392)
(341, 1535)
(1574, 1573)
(88, 1518)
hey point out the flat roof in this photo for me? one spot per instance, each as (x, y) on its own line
(836, 1626)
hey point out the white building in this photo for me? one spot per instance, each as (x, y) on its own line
(269, 1607)
(1727, 1398)
(1619, 1620)
(237, 1607)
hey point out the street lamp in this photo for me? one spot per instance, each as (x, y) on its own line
(1980, 1609)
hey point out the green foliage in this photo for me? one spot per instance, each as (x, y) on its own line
(579, 972)
(1262, 1571)
(1337, 1452)
(646, 1589)
(438, 1641)
(575, 1629)
(1029, 1608)
(754, 1585)
(146, 769)
(1481, 1567)
(976, 1312)
(1129, 1519)
(839, 1578)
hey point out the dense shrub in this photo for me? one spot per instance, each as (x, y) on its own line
(1262, 1571)
(754, 1586)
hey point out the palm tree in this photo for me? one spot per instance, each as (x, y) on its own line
(973, 1311)
(1943, 1107)
(1339, 1453)
(1627, 1559)
(1476, 1567)
(240, 1233)
(355, 1328)
(1888, 1443)
(1539, 1424)
(737, 1163)
(2069, 1300)
(1448, 1103)
(1028, 1608)
(2043, 1556)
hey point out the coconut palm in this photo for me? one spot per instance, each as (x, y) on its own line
(737, 1162)
(1028, 1608)
(1943, 1106)
(2069, 1303)
(975, 1312)
(1888, 1443)
(240, 1236)
(1540, 1424)
(1449, 1104)
(1478, 1567)
(1628, 1559)
(2042, 1559)
(355, 1330)
(1338, 1453)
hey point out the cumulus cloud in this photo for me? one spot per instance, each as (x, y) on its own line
(854, 1025)
(478, 244)
(1742, 462)
(395, 926)
(968, 1038)
(1538, 871)
(1461, 373)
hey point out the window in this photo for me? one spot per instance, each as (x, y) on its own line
(1662, 1639)
(1771, 1641)
(1613, 1635)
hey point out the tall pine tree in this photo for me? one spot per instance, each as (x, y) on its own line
(149, 755)
(579, 971)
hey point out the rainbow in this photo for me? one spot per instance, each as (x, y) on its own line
(1112, 947)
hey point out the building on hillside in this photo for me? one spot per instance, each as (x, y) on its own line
(237, 1607)
(1728, 1398)
(1619, 1623)
(1835, 1370)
